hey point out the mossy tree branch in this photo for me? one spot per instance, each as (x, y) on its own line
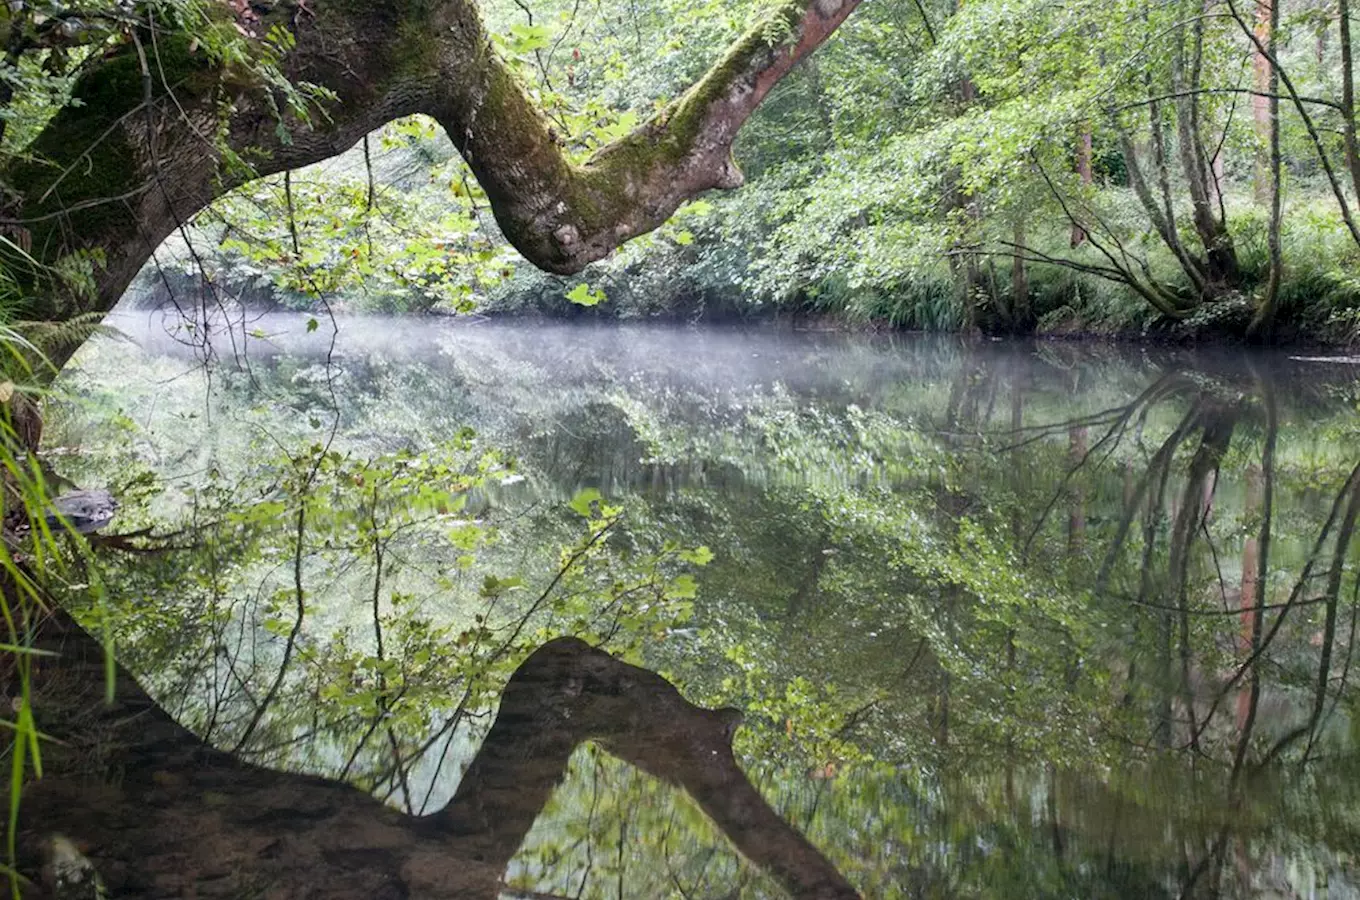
(147, 146)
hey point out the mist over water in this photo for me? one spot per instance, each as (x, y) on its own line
(981, 601)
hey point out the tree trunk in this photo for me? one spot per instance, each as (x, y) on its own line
(1264, 318)
(1162, 215)
(1260, 101)
(1348, 96)
(1250, 596)
(1020, 310)
(1224, 271)
(1084, 174)
(116, 173)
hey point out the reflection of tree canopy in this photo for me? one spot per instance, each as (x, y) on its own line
(999, 627)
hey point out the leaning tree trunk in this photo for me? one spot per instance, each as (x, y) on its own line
(1160, 210)
(147, 145)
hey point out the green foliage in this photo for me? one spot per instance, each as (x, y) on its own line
(868, 546)
(891, 178)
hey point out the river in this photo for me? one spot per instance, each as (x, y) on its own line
(1004, 619)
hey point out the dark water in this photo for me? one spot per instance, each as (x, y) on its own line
(1004, 620)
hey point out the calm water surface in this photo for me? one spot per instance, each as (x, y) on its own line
(1004, 619)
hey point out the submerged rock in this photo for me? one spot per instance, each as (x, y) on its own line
(86, 511)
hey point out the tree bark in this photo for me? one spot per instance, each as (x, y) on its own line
(147, 144)
(182, 819)
(1021, 314)
(1162, 217)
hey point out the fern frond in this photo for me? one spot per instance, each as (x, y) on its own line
(51, 338)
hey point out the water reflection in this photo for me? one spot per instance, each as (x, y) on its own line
(186, 820)
(1004, 620)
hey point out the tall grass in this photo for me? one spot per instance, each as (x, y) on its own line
(30, 556)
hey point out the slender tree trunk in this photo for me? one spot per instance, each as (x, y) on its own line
(1260, 102)
(1348, 96)
(1187, 76)
(1084, 174)
(1020, 311)
(1162, 216)
(1216, 170)
(1076, 510)
(1324, 25)
(1249, 600)
(1264, 319)
(967, 285)
(1315, 134)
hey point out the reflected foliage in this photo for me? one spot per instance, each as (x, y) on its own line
(1003, 620)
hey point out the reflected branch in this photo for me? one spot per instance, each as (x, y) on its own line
(1158, 468)
(184, 818)
(1331, 597)
(1119, 419)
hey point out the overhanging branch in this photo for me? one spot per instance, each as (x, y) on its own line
(86, 187)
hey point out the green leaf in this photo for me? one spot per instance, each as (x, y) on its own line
(527, 38)
(495, 587)
(584, 295)
(682, 588)
(587, 503)
(312, 325)
(700, 556)
(684, 238)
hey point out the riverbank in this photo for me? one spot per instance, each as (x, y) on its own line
(1315, 311)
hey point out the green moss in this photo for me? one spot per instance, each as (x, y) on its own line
(671, 135)
(417, 49)
(81, 167)
(82, 151)
(687, 115)
(409, 42)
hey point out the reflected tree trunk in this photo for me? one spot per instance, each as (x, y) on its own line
(1189, 521)
(1250, 598)
(1076, 510)
(182, 819)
